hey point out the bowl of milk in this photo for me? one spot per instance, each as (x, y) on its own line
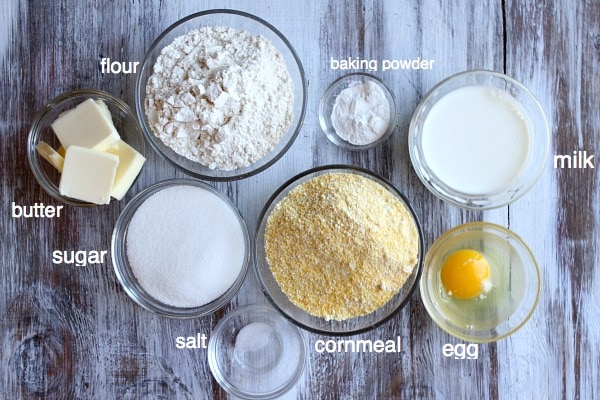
(479, 140)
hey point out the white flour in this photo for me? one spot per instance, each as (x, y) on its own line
(220, 96)
(361, 113)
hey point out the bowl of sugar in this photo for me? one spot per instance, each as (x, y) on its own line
(180, 249)
(479, 140)
(357, 111)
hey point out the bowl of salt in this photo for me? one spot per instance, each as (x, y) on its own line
(255, 353)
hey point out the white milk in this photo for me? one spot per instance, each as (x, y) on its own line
(476, 139)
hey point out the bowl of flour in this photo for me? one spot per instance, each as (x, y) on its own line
(357, 111)
(221, 95)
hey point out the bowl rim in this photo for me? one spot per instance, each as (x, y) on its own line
(34, 133)
(479, 201)
(140, 100)
(497, 230)
(255, 309)
(418, 267)
(119, 251)
(324, 117)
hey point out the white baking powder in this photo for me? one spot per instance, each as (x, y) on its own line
(220, 96)
(185, 246)
(361, 113)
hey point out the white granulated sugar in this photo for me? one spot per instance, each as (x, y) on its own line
(220, 96)
(361, 113)
(185, 246)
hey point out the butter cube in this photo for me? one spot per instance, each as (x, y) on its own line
(88, 174)
(50, 155)
(130, 165)
(87, 125)
(104, 108)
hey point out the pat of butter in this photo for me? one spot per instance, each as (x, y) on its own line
(88, 174)
(130, 165)
(104, 109)
(50, 155)
(87, 125)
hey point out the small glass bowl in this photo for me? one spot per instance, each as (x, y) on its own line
(514, 276)
(123, 268)
(241, 21)
(328, 101)
(539, 141)
(46, 175)
(255, 353)
(300, 317)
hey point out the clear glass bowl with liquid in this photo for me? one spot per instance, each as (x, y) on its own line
(472, 160)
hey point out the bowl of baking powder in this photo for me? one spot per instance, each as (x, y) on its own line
(357, 111)
(221, 95)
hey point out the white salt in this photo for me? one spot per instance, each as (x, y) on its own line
(185, 246)
(256, 346)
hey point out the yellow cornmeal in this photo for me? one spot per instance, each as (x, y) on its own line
(340, 245)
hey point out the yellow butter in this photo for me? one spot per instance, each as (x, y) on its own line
(50, 155)
(88, 174)
(130, 165)
(87, 125)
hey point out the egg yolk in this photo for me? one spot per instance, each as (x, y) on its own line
(465, 274)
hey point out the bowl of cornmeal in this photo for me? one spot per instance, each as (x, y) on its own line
(338, 250)
(221, 95)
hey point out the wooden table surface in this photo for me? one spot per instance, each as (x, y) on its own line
(73, 333)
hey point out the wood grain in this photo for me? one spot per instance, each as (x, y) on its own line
(73, 333)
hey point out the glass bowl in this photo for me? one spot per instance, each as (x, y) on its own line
(46, 175)
(329, 97)
(241, 21)
(492, 189)
(255, 353)
(297, 315)
(122, 265)
(514, 276)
